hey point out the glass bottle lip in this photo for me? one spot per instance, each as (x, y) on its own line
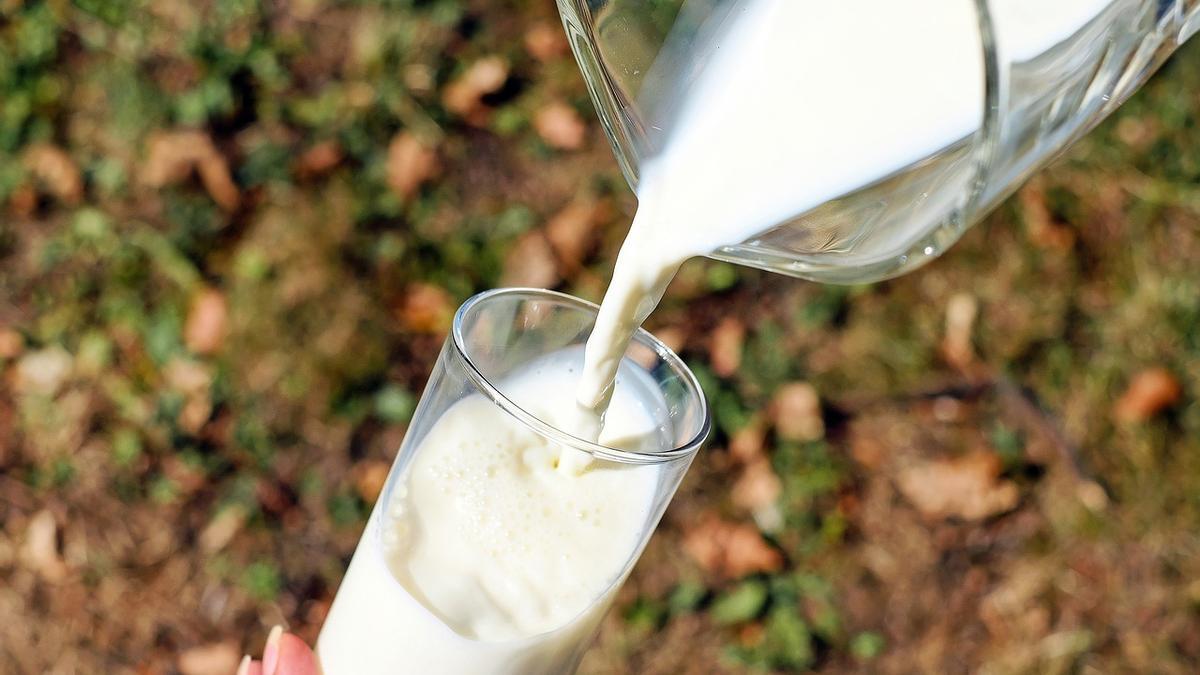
(552, 432)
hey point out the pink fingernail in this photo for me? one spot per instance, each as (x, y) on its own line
(244, 666)
(271, 651)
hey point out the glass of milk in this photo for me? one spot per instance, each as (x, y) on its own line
(851, 141)
(487, 552)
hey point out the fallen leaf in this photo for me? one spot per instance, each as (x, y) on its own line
(1150, 392)
(674, 337)
(11, 343)
(560, 126)
(571, 232)
(187, 477)
(1043, 229)
(725, 350)
(1092, 495)
(55, 171)
(40, 552)
(757, 490)
(22, 201)
(187, 376)
(193, 379)
(961, 311)
(747, 443)
(796, 412)
(220, 658)
(1137, 132)
(758, 486)
(730, 550)
(319, 160)
(967, 487)
(204, 330)
(172, 156)
(369, 477)
(410, 163)
(464, 96)
(545, 41)
(426, 309)
(43, 371)
(530, 262)
(222, 529)
(751, 635)
(272, 497)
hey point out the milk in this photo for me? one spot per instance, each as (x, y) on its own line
(485, 558)
(499, 552)
(800, 102)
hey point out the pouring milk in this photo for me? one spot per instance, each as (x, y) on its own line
(498, 554)
(801, 102)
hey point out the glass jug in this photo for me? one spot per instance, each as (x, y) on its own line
(1039, 74)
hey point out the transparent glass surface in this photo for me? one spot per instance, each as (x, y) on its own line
(1050, 71)
(376, 625)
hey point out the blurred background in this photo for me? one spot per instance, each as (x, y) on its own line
(232, 235)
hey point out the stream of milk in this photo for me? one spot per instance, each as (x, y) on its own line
(803, 101)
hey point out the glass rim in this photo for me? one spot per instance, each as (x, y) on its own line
(549, 430)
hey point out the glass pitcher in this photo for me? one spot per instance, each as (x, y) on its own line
(1034, 75)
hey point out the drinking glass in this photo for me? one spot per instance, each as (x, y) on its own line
(375, 626)
(1045, 72)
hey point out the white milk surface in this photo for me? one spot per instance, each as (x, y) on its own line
(804, 101)
(487, 559)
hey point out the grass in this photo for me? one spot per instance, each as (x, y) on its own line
(329, 328)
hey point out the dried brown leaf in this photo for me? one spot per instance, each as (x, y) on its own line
(730, 550)
(464, 96)
(747, 443)
(796, 412)
(194, 380)
(867, 450)
(560, 126)
(44, 371)
(571, 232)
(426, 309)
(961, 310)
(204, 330)
(1150, 392)
(319, 160)
(23, 201)
(757, 487)
(222, 529)
(55, 171)
(725, 350)
(214, 174)
(410, 163)
(545, 41)
(172, 156)
(187, 376)
(1043, 229)
(12, 343)
(531, 263)
(40, 552)
(674, 337)
(967, 487)
(369, 477)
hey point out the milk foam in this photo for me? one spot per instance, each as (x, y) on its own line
(486, 558)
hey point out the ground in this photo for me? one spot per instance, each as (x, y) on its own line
(231, 236)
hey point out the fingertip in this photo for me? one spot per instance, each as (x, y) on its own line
(249, 666)
(296, 657)
(270, 659)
